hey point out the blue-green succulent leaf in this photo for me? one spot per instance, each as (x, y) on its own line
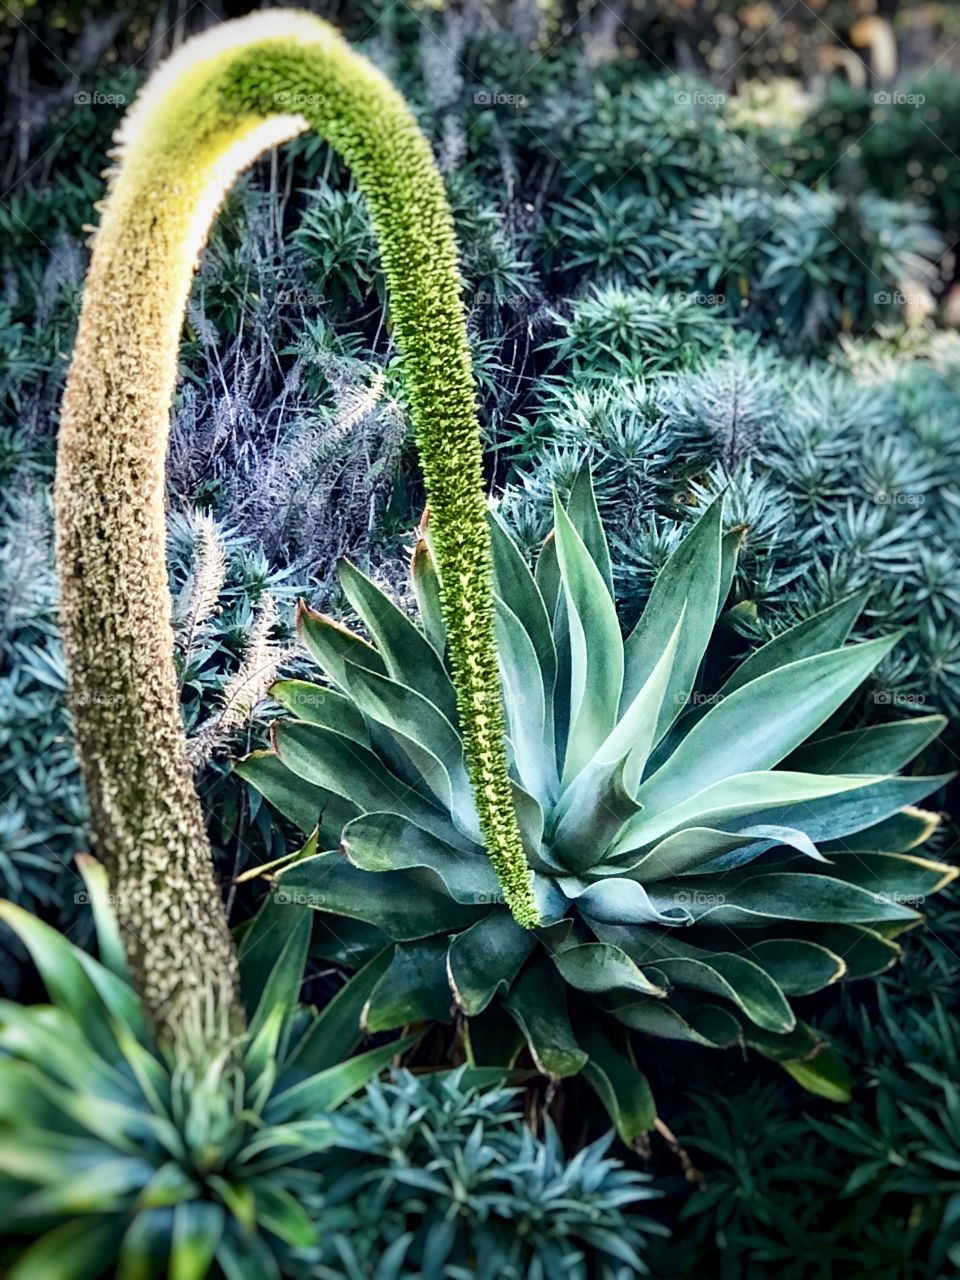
(538, 1004)
(688, 586)
(484, 960)
(760, 723)
(596, 648)
(409, 656)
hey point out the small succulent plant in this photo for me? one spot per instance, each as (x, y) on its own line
(699, 857)
(122, 1158)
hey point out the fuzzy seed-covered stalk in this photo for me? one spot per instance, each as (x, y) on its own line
(208, 113)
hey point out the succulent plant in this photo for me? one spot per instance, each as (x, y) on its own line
(699, 857)
(119, 1157)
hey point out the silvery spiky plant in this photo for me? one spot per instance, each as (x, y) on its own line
(699, 856)
(223, 100)
(121, 1157)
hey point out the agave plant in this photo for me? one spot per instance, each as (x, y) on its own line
(700, 854)
(119, 1158)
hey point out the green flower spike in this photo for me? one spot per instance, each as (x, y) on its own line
(209, 112)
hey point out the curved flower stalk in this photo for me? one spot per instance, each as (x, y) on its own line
(209, 112)
(703, 852)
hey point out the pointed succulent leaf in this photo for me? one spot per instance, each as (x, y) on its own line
(761, 722)
(305, 804)
(898, 833)
(828, 806)
(387, 842)
(315, 704)
(899, 876)
(421, 733)
(688, 586)
(593, 819)
(406, 905)
(759, 897)
(585, 518)
(716, 1028)
(824, 631)
(483, 960)
(803, 1042)
(618, 901)
(525, 704)
(517, 588)
(737, 979)
(851, 810)
(730, 547)
(331, 645)
(825, 1074)
(538, 1004)
(547, 576)
(879, 748)
(821, 633)
(799, 968)
(412, 989)
(599, 967)
(620, 1085)
(409, 656)
(426, 588)
(596, 648)
(864, 952)
(612, 774)
(330, 761)
(685, 850)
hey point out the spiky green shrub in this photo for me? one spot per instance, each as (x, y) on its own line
(431, 1176)
(688, 886)
(119, 1157)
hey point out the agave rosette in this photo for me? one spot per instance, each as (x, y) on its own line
(698, 858)
(121, 1159)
